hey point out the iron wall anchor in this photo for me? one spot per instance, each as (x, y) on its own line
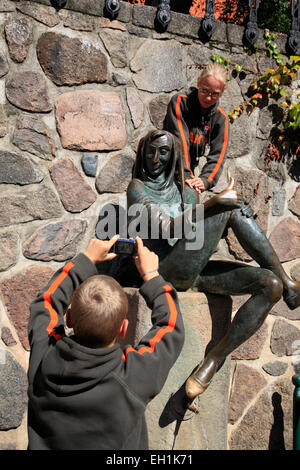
(112, 7)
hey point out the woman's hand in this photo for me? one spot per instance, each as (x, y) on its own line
(195, 183)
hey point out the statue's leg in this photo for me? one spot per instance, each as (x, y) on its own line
(231, 279)
(254, 241)
(181, 266)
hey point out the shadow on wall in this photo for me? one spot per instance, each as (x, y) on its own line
(276, 441)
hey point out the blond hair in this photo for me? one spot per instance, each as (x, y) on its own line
(216, 70)
(99, 306)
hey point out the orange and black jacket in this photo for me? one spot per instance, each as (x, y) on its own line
(199, 133)
(84, 398)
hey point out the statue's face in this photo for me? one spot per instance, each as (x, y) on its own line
(158, 153)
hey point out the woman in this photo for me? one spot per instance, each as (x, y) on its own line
(202, 126)
(159, 182)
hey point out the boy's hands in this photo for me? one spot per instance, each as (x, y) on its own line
(98, 250)
(146, 261)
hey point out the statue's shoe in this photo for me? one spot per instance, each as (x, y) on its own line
(195, 387)
(292, 295)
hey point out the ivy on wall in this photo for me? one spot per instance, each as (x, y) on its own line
(275, 83)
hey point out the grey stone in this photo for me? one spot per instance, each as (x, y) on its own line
(17, 169)
(7, 337)
(61, 59)
(278, 202)
(294, 203)
(42, 14)
(275, 368)
(117, 44)
(3, 121)
(157, 110)
(89, 163)
(13, 391)
(77, 21)
(9, 247)
(28, 91)
(115, 176)
(6, 6)
(157, 66)
(18, 207)
(135, 105)
(285, 339)
(32, 135)
(59, 241)
(18, 33)
(3, 65)
(295, 272)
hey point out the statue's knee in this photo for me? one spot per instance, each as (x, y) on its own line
(275, 288)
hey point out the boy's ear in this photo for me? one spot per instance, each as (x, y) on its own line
(68, 318)
(123, 328)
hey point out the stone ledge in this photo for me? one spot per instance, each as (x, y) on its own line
(206, 319)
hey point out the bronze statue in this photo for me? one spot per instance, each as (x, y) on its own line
(158, 180)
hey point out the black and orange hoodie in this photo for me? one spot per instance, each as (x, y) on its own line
(199, 133)
(83, 398)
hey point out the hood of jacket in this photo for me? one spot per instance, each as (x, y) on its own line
(73, 368)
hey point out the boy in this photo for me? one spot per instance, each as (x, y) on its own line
(84, 391)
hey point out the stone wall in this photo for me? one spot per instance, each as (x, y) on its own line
(77, 91)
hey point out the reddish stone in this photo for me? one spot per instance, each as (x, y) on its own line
(246, 385)
(17, 293)
(91, 120)
(285, 239)
(75, 193)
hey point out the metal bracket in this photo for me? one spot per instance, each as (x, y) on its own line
(58, 4)
(112, 7)
(251, 32)
(163, 14)
(208, 24)
(294, 37)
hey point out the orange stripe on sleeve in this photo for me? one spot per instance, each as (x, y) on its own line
(47, 299)
(162, 331)
(179, 121)
(222, 154)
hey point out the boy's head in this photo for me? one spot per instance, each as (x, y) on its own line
(98, 312)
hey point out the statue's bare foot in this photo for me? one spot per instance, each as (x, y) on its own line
(198, 382)
(292, 295)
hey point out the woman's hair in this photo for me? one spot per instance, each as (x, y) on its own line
(99, 306)
(216, 70)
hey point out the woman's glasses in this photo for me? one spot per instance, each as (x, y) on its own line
(206, 92)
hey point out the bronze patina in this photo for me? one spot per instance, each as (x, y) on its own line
(158, 184)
